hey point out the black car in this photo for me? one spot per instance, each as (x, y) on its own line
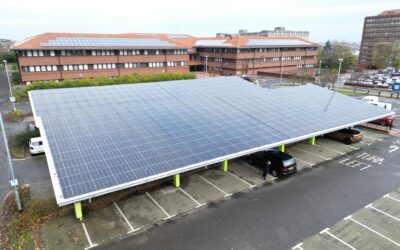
(280, 163)
(247, 78)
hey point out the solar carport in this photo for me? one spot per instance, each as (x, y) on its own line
(103, 139)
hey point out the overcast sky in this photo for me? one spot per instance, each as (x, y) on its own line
(325, 19)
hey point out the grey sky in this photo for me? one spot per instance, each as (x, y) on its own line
(337, 20)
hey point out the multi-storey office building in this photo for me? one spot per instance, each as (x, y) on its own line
(59, 56)
(384, 27)
(278, 31)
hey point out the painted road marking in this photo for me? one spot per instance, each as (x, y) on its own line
(333, 150)
(254, 168)
(326, 230)
(390, 197)
(192, 198)
(132, 229)
(342, 144)
(298, 246)
(237, 177)
(222, 191)
(306, 162)
(362, 169)
(393, 148)
(160, 207)
(88, 237)
(382, 212)
(372, 230)
(323, 157)
(373, 137)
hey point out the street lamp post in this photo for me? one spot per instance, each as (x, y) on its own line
(13, 181)
(12, 98)
(206, 66)
(340, 67)
(283, 54)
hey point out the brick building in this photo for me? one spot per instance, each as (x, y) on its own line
(59, 56)
(384, 27)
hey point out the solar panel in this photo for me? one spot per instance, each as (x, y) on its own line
(106, 42)
(275, 42)
(102, 139)
(177, 36)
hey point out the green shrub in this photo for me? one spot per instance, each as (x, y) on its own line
(16, 115)
(22, 139)
(102, 81)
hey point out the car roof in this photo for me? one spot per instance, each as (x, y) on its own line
(279, 154)
(36, 139)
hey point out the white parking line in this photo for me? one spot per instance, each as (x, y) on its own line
(312, 153)
(222, 191)
(132, 229)
(361, 169)
(333, 236)
(372, 230)
(390, 197)
(333, 150)
(191, 197)
(382, 212)
(342, 144)
(373, 137)
(298, 246)
(306, 162)
(237, 177)
(91, 244)
(258, 171)
(160, 207)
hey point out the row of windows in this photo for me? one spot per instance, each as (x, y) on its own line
(264, 59)
(252, 50)
(35, 53)
(48, 68)
(305, 66)
(382, 20)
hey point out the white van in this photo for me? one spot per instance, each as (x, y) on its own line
(36, 146)
(369, 99)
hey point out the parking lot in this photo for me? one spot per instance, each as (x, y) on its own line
(139, 212)
(376, 226)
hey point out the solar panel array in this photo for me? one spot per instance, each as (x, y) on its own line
(106, 42)
(275, 42)
(103, 138)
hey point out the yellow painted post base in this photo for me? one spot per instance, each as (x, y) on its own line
(177, 180)
(311, 140)
(78, 210)
(281, 148)
(224, 166)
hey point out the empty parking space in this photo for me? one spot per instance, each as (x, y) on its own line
(140, 210)
(199, 189)
(224, 181)
(248, 172)
(376, 226)
(304, 156)
(334, 145)
(105, 224)
(173, 200)
(319, 150)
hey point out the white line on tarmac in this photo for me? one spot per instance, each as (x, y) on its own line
(335, 237)
(334, 150)
(88, 237)
(310, 164)
(250, 166)
(373, 137)
(390, 197)
(132, 229)
(192, 198)
(342, 144)
(323, 157)
(222, 191)
(372, 230)
(361, 169)
(298, 246)
(382, 212)
(237, 177)
(160, 207)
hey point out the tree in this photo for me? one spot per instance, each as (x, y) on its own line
(381, 54)
(244, 69)
(16, 78)
(331, 53)
(8, 55)
(328, 77)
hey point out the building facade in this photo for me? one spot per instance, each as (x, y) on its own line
(60, 56)
(384, 27)
(278, 31)
(6, 44)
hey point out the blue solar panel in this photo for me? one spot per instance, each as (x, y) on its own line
(106, 42)
(100, 139)
(276, 42)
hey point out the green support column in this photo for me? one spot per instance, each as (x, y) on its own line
(281, 148)
(224, 166)
(311, 140)
(177, 180)
(78, 210)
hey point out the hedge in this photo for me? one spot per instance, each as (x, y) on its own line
(135, 78)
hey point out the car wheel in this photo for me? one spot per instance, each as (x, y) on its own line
(274, 173)
(347, 141)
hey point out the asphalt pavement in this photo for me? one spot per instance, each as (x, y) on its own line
(280, 215)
